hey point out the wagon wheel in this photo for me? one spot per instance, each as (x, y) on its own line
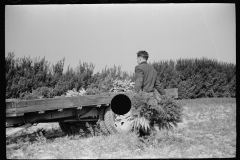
(117, 123)
(71, 128)
(101, 122)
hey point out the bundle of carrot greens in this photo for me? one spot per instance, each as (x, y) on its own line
(151, 110)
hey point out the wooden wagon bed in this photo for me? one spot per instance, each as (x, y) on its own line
(19, 107)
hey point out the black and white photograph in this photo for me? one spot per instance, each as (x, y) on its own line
(120, 81)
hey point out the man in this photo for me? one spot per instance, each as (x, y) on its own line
(146, 78)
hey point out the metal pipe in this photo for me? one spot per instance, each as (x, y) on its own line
(121, 104)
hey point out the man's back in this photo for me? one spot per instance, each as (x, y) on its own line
(146, 78)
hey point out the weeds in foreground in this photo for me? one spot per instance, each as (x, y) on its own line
(93, 142)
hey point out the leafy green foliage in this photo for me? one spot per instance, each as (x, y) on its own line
(141, 123)
(25, 75)
(122, 86)
(149, 109)
(167, 72)
(198, 78)
(194, 78)
(39, 93)
(110, 80)
(103, 85)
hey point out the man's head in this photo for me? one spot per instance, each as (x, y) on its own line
(142, 56)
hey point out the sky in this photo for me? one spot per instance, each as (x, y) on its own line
(112, 34)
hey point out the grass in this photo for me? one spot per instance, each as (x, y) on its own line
(208, 130)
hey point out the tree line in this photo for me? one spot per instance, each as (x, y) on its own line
(194, 78)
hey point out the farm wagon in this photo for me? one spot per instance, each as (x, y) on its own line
(72, 113)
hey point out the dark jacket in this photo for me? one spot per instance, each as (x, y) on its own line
(146, 79)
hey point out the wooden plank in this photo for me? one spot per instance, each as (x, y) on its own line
(14, 103)
(62, 103)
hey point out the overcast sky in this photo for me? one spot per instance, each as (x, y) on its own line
(108, 34)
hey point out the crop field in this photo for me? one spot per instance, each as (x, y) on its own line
(208, 130)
